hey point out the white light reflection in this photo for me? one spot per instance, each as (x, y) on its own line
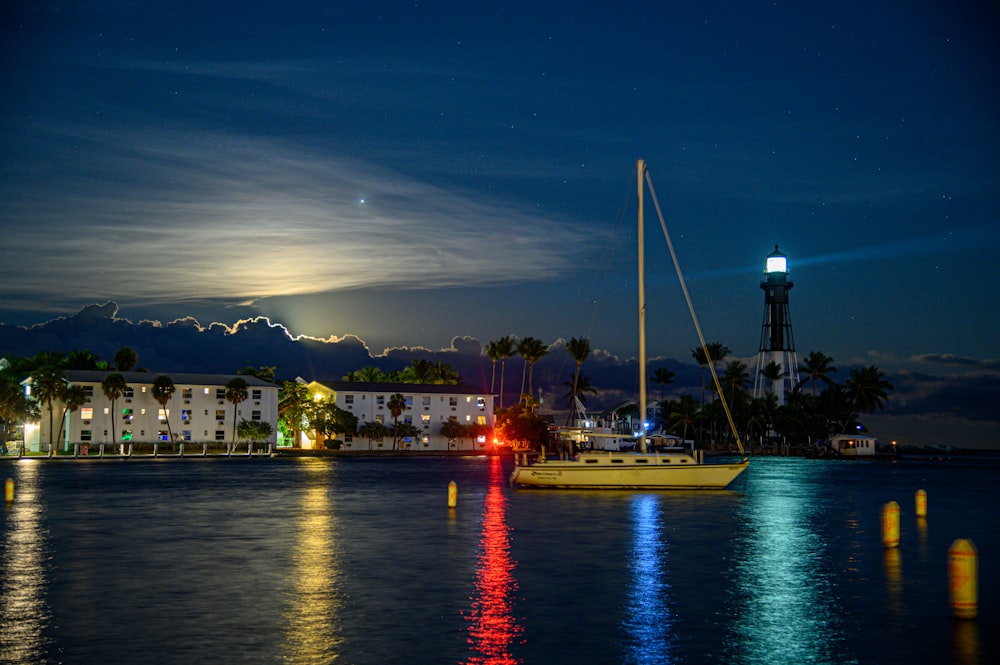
(648, 621)
(312, 633)
(24, 613)
(492, 626)
(786, 610)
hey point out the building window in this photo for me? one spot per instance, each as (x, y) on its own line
(481, 403)
(89, 392)
(255, 416)
(186, 393)
(255, 394)
(163, 435)
(129, 393)
(220, 414)
(426, 420)
(348, 399)
(163, 414)
(408, 400)
(220, 435)
(186, 435)
(453, 401)
(380, 419)
(86, 412)
(480, 420)
(127, 415)
(220, 393)
(86, 435)
(468, 418)
(186, 415)
(380, 401)
(126, 435)
(427, 401)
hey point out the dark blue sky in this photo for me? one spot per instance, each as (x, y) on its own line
(409, 172)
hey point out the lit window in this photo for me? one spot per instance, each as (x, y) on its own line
(87, 412)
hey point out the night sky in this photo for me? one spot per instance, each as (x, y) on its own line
(412, 172)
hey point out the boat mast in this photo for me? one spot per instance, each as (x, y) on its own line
(641, 173)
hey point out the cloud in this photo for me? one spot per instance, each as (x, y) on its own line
(184, 344)
(174, 218)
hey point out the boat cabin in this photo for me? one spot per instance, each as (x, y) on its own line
(854, 445)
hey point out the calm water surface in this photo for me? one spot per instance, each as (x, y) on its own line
(361, 561)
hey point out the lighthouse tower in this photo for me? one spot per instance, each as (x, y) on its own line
(777, 345)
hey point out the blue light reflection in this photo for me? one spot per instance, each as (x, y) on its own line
(648, 621)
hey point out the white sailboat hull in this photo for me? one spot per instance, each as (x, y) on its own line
(612, 470)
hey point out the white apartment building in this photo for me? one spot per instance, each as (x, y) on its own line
(428, 407)
(198, 411)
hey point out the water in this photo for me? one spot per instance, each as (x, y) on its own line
(360, 561)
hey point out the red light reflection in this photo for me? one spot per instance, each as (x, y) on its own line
(492, 626)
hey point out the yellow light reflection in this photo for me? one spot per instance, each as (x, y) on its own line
(648, 619)
(894, 580)
(313, 632)
(492, 626)
(23, 610)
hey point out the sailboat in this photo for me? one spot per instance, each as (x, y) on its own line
(609, 469)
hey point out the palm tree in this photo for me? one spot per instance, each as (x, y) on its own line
(773, 372)
(396, 404)
(369, 374)
(505, 349)
(735, 380)
(531, 349)
(578, 349)
(867, 389)
(493, 353)
(126, 359)
(47, 386)
(78, 359)
(577, 390)
(686, 413)
(420, 371)
(236, 392)
(443, 373)
(163, 390)
(664, 377)
(717, 352)
(818, 366)
(114, 386)
(73, 398)
(698, 353)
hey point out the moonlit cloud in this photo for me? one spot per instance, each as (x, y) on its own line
(237, 219)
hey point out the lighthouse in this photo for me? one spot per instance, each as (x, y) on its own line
(777, 367)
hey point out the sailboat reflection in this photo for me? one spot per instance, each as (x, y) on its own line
(648, 621)
(23, 611)
(492, 626)
(312, 633)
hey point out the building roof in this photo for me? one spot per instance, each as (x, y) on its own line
(179, 378)
(390, 388)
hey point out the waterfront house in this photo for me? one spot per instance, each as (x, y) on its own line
(198, 411)
(426, 406)
(854, 445)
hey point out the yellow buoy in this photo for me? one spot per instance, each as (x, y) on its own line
(9, 490)
(890, 524)
(963, 582)
(452, 494)
(921, 503)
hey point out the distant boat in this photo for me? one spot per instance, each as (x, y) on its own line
(611, 469)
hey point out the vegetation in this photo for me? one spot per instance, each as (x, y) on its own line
(163, 390)
(236, 392)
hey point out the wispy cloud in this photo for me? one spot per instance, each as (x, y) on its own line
(200, 215)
